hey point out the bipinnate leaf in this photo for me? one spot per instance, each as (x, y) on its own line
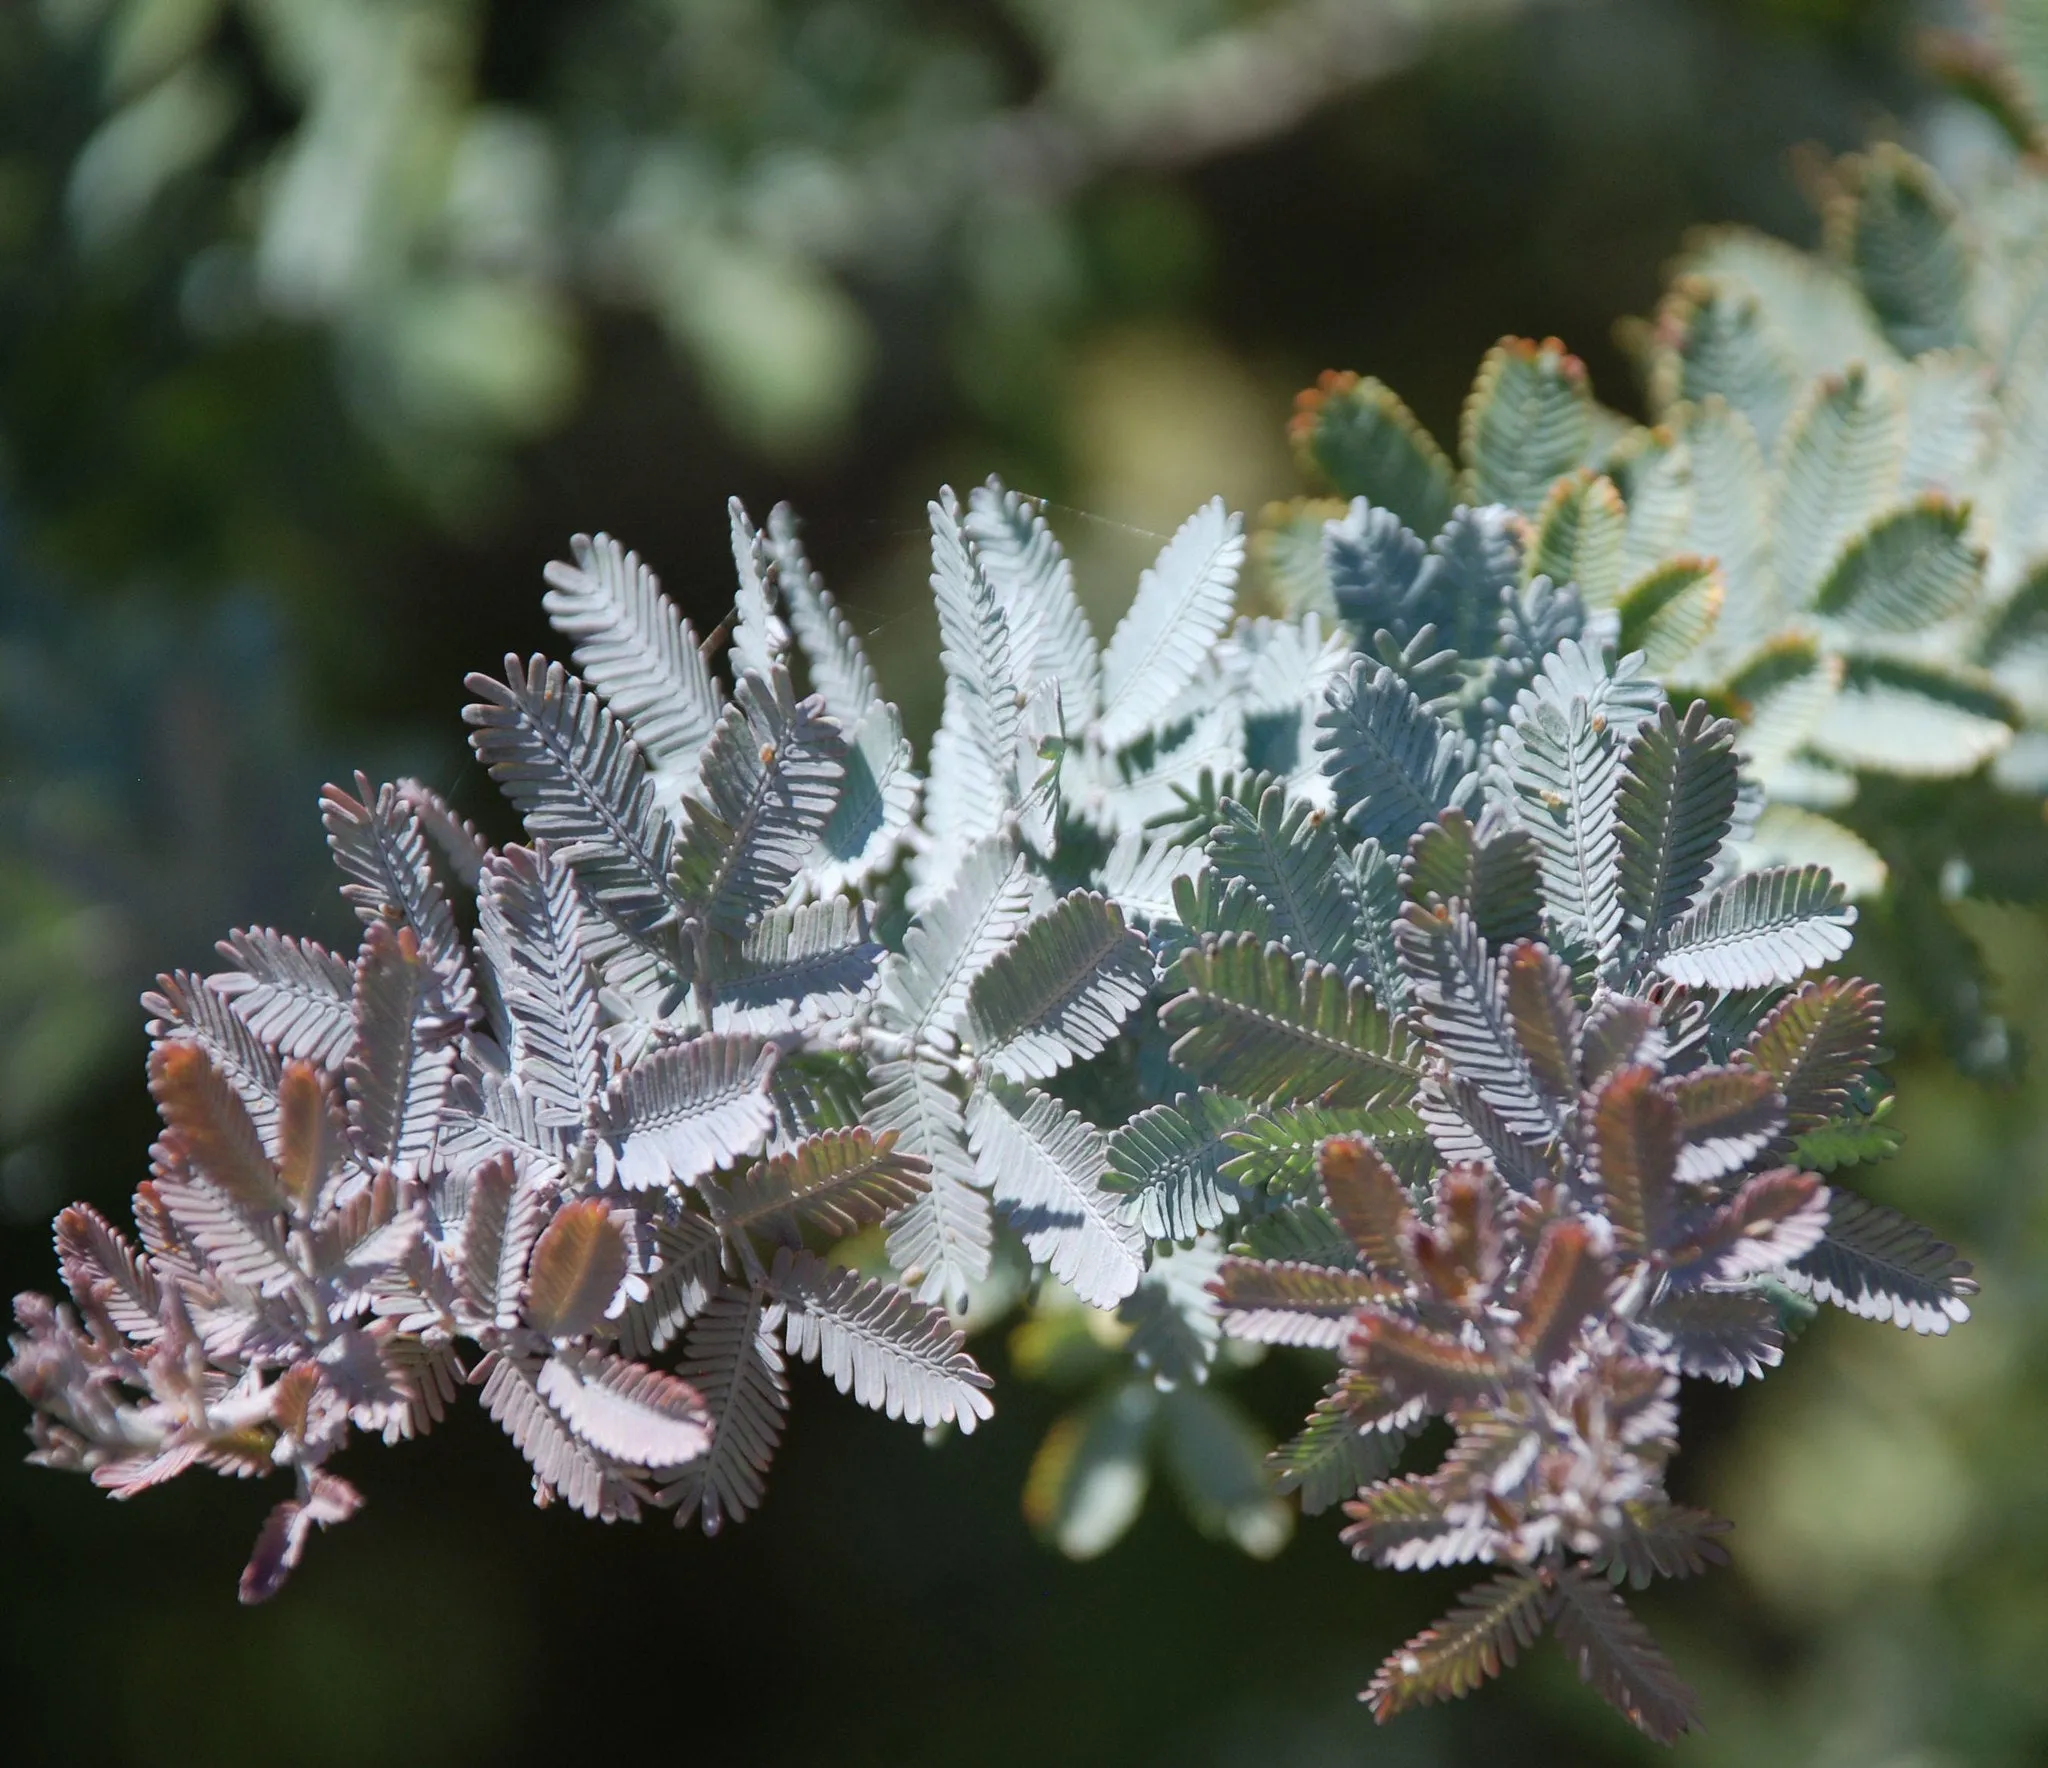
(838, 1181)
(282, 1541)
(1166, 1165)
(637, 650)
(1527, 421)
(1840, 458)
(731, 1358)
(1665, 1541)
(1368, 1202)
(1060, 991)
(207, 1129)
(684, 1109)
(1045, 1165)
(1727, 1116)
(879, 1343)
(680, 1287)
(1817, 1044)
(1459, 997)
(942, 1240)
(378, 843)
(297, 996)
(310, 1138)
(1580, 538)
(1182, 605)
(1258, 1022)
(797, 966)
(531, 927)
(1617, 1657)
(1537, 987)
(1896, 229)
(767, 787)
(951, 942)
(577, 778)
(1758, 929)
(1496, 877)
(104, 1272)
(1667, 612)
(626, 1411)
(504, 1219)
(564, 1466)
(1035, 584)
(1274, 1149)
(1352, 434)
(1635, 1135)
(984, 692)
(1270, 1301)
(1393, 764)
(760, 640)
(1675, 809)
(1565, 1283)
(1492, 1623)
(1286, 852)
(576, 1271)
(1912, 568)
(405, 1049)
(840, 672)
(183, 1009)
(1721, 1335)
(1336, 1451)
(1882, 1266)
(1420, 1363)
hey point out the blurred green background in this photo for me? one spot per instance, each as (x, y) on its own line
(323, 323)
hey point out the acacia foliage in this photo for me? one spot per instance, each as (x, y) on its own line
(1386, 989)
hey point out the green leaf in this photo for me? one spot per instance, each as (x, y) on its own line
(1288, 854)
(768, 785)
(839, 1182)
(1849, 1140)
(1331, 1457)
(1460, 1002)
(1274, 1149)
(1088, 1480)
(1617, 1657)
(1667, 613)
(1881, 1266)
(1760, 928)
(1910, 569)
(1675, 809)
(1919, 720)
(1896, 231)
(1839, 461)
(1714, 341)
(1497, 879)
(1167, 1165)
(1527, 421)
(1481, 1636)
(1182, 605)
(1355, 437)
(1393, 765)
(1060, 991)
(1045, 1164)
(1580, 538)
(1818, 1044)
(1255, 1021)
(1217, 1457)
